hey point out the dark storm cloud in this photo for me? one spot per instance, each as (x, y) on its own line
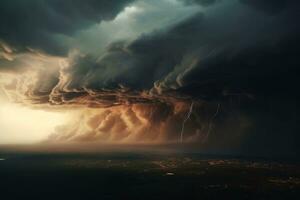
(246, 60)
(34, 23)
(233, 54)
(220, 51)
(211, 55)
(269, 6)
(200, 2)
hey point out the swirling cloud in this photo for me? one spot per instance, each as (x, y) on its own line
(242, 55)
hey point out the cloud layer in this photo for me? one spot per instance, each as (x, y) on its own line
(210, 55)
(240, 54)
(35, 23)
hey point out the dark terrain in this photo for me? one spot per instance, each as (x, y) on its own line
(43, 174)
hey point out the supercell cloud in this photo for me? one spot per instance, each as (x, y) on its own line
(239, 58)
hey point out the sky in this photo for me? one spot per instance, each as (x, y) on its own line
(128, 71)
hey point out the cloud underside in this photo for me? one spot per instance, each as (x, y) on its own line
(209, 56)
(242, 55)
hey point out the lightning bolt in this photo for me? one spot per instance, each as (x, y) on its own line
(184, 121)
(211, 121)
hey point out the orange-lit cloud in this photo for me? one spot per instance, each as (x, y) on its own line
(139, 123)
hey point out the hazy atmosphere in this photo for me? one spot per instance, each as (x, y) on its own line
(222, 74)
(159, 99)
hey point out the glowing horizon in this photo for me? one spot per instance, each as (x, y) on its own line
(20, 124)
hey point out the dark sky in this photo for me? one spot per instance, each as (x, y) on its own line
(240, 54)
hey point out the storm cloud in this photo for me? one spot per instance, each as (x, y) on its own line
(200, 2)
(242, 55)
(35, 23)
(269, 6)
(201, 57)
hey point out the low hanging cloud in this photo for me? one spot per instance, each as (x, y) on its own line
(152, 124)
(196, 58)
(207, 56)
(241, 55)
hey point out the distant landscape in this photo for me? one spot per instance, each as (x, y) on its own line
(125, 173)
